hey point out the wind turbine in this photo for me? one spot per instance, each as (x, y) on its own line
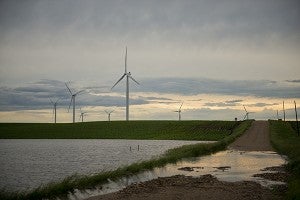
(73, 95)
(247, 113)
(108, 114)
(128, 76)
(179, 112)
(82, 115)
(54, 108)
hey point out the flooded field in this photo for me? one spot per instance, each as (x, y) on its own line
(28, 163)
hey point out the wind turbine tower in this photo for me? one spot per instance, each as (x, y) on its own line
(128, 76)
(108, 114)
(54, 108)
(73, 96)
(179, 112)
(82, 115)
(283, 111)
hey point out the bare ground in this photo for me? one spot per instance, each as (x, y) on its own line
(207, 186)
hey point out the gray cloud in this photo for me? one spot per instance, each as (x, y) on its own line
(293, 81)
(262, 104)
(73, 39)
(191, 86)
(37, 96)
(233, 18)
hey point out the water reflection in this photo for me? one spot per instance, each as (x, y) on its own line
(229, 165)
(26, 164)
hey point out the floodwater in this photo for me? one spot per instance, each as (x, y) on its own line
(229, 165)
(28, 163)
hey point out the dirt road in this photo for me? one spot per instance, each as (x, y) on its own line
(256, 138)
(207, 186)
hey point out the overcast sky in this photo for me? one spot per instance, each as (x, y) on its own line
(214, 55)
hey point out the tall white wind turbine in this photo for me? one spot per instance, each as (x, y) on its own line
(108, 114)
(54, 108)
(73, 96)
(179, 112)
(128, 76)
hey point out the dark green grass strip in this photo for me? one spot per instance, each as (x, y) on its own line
(155, 130)
(285, 140)
(71, 183)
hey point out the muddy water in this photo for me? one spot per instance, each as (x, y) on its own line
(229, 165)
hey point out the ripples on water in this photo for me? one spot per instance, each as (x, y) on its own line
(26, 164)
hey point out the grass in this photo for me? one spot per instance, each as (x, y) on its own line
(155, 130)
(68, 185)
(285, 140)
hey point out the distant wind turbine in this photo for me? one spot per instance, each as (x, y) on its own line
(54, 108)
(283, 111)
(247, 113)
(73, 95)
(108, 114)
(128, 76)
(82, 115)
(179, 112)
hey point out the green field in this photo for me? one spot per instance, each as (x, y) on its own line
(154, 130)
(285, 140)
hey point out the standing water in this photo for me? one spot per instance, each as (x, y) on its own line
(229, 165)
(28, 163)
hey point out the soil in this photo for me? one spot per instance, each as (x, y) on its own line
(207, 186)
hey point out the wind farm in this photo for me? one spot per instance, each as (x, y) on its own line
(149, 100)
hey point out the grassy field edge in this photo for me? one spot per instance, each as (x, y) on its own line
(70, 184)
(286, 142)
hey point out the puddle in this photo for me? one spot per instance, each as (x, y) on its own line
(229, 165)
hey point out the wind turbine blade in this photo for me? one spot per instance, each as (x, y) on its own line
(68, 88)
(133, 80)
(181, 106)
(245, 109)
(70, 103)
(126, 61)
(51, 101)
(245, 117)
(79, 92)
(118, 81)
(111, 111)
(106, 111)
